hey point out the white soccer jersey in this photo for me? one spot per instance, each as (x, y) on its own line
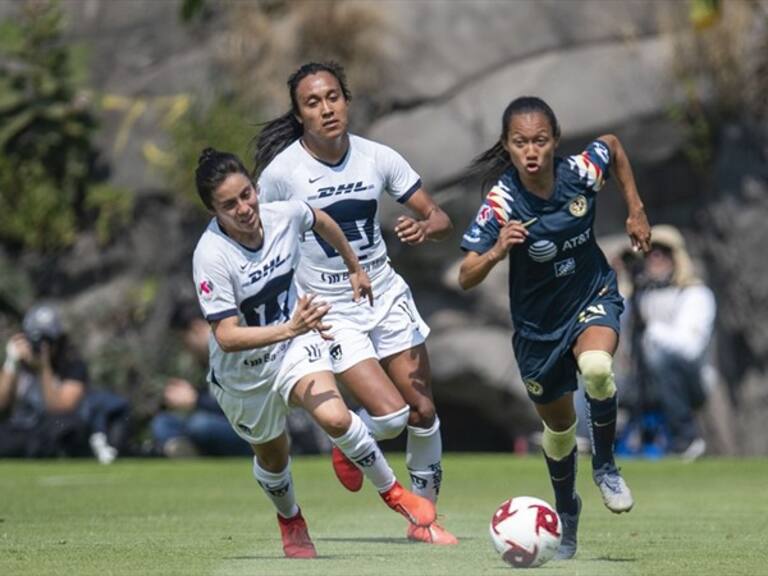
(349, 192)
(257, 286)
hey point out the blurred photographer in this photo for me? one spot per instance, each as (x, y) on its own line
(42, 384)
(673, 314)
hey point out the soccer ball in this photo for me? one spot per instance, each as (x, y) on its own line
(526, 531)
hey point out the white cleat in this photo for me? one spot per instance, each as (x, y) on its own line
(616, 494)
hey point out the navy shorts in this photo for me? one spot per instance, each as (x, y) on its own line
(547, 367)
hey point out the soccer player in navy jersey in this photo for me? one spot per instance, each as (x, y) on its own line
(564, 299)
(379, 351)
(266, 350)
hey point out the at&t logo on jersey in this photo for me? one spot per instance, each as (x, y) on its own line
(542, 250)
(578, 240)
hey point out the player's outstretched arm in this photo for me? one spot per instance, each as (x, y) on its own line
(307, 316)
(638, 229)
(331, 233)
(433, 225)
(475, 267)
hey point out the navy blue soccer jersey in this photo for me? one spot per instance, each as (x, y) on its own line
(559, 269)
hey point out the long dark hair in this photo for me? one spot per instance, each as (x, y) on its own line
(213, 167)
(490, 165)
(276, 135)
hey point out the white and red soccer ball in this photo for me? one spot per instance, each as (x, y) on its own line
(526, 531)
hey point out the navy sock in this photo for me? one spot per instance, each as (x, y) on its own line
(602, 429)
(562, 474)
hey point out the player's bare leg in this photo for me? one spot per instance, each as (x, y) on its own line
(410, 372)
(372, 388)
(318, 394)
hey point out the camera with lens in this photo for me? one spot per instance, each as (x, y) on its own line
(42, 324)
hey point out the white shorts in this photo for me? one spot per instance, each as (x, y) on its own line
(361, 331)
(258, 415)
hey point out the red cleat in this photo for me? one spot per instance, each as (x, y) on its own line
(295, 535)
(350, 476)
(432, 534)
(417, 510)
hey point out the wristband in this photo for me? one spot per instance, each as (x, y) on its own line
(10, 365)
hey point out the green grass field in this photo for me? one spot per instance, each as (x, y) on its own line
(209, 517)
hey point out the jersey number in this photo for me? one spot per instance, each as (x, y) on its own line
(355, 218)
(270, 305)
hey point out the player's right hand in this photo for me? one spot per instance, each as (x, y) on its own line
(309, 315)
(361, 286)
(512, 234)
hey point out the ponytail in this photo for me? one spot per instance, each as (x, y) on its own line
(276, 135)
(489, 166)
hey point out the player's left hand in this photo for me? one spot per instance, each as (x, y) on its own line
(639, 231)
(410, 231)
(361, 286)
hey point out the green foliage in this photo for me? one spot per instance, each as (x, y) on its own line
(47, 172)
(225, 125)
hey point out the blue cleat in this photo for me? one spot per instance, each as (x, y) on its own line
(570, 526)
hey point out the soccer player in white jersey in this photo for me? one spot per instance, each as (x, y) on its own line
(378, 352)
(267, 351)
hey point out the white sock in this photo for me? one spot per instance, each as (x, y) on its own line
(278, 486)
(358, 445)
(423, 454)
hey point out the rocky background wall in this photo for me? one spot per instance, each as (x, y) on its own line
(430, 78)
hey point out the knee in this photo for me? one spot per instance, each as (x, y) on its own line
(422, 413)
(596, 369)
(336, 423)
(390, 425)
(558, 444)
(272, 461)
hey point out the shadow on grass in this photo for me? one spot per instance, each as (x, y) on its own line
(281, 557)
(381, 540)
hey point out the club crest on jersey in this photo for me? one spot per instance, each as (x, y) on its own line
(534, 387)
(578, 206)
(542, 251)
(206, 289)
